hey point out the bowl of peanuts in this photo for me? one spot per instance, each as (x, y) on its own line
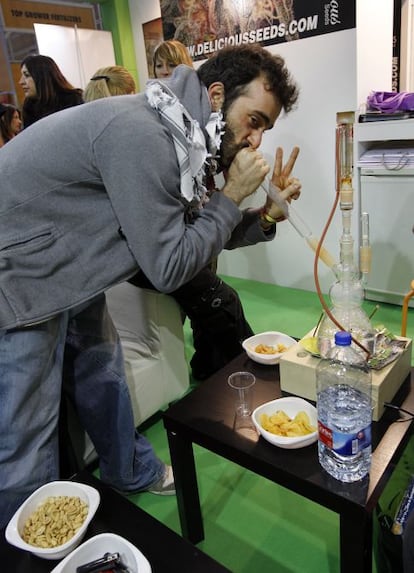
(267, 347)
(53, 520)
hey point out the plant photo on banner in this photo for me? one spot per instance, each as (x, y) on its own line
(205, 26)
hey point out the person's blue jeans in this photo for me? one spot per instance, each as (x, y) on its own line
(31, 367)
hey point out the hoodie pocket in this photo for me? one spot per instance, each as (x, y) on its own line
(37, 269)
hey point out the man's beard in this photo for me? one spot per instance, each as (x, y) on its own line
(229, 148)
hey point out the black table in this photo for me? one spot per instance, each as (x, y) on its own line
(165, 550)
(205, 417)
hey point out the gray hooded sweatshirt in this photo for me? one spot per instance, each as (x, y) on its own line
(91, 194)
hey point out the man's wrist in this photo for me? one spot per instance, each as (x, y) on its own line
(267, 221)
(268, 218)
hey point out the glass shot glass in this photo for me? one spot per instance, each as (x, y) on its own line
(243, 383)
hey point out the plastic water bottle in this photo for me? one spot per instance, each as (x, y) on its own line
(343, 384)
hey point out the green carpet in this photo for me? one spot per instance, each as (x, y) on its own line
(252, 524)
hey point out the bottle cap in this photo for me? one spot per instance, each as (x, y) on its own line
(343, 338)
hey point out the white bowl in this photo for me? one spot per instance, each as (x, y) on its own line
(291, 405)
(15, 526)
(97, 546)
(271, 338)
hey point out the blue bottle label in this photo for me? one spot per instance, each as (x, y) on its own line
(344, 444)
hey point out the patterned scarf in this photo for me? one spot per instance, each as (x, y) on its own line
(194, 154)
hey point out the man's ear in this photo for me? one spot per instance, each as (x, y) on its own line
(216, 95)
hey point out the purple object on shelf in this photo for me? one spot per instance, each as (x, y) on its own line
(390, 102)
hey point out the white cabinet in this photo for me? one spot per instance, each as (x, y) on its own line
(407, 46)
(386, 193)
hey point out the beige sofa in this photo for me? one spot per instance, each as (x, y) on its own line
(150, 327)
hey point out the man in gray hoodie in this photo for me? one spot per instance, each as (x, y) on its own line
(89, 196)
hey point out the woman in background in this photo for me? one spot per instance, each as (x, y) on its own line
(110, 81)
(167, 56)
(45, 88)
(10, 122)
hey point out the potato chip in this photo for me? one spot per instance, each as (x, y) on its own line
(267, 349)
(279, 418)
(281, 424)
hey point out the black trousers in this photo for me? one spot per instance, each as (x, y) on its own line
(217, 319)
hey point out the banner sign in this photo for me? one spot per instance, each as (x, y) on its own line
(396, 46)
(205, 26)
(22, 14)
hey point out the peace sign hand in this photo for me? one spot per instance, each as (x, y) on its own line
(289, 187)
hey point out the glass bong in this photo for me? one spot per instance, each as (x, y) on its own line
(347, 292)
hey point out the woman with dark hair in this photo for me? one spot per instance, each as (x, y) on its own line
(10, 122)
(46, 89)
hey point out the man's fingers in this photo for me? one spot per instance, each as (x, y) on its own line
(284, 171)
(293, 190)
(287, 170)
(277, 170)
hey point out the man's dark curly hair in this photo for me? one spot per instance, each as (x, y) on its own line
(237, 66)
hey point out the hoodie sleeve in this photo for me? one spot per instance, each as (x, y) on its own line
(137, 161)
(136, 158)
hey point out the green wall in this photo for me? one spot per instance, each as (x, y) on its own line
(116, 19)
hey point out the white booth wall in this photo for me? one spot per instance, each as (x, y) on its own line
(71, 50)
(335, 73)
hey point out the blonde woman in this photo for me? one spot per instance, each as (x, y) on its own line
(109, 81)
(167, 56)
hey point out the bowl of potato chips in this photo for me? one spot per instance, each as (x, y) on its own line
(54, 519)
(289, 422)
(267, 347)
